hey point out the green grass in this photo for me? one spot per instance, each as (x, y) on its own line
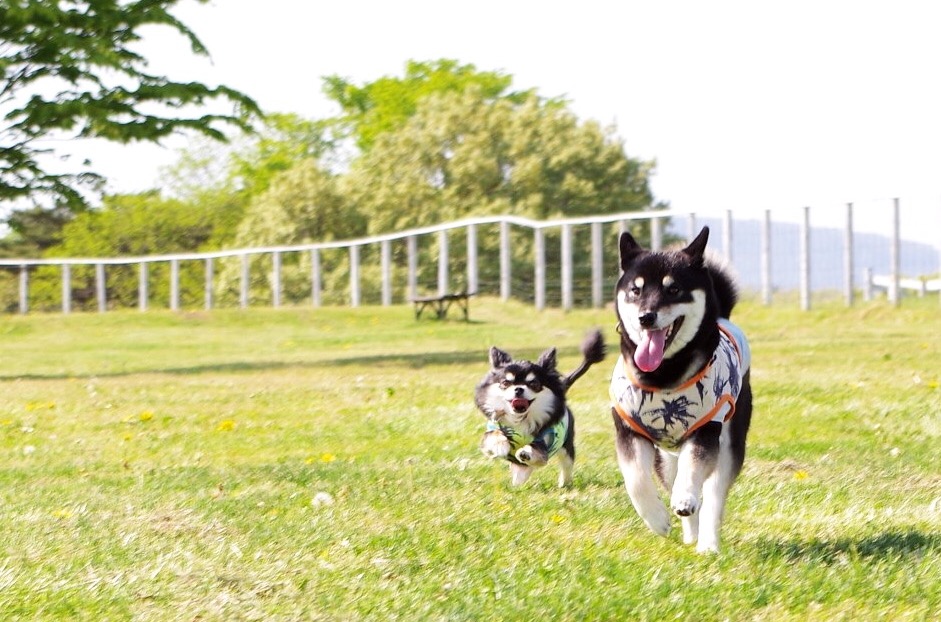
(323, 465)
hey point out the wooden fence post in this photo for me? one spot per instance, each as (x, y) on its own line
(315, 279)
(207, 287)
(244, 279)
(66, 288)
(354, 276)
(143, 286)
(848, 276)
(505, 269)
(656, 234)
(24, 288)
(767, 288)
(472, 258)
(443, 262)
(100, 287)
(894, 256)
(805, 261)
(276, 279)
(727, 235)
(174, 284)
(412, 244)
(539, 249)
(597, 265)
(385, 260)
(566, 275)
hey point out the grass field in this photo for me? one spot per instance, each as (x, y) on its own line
(323, 465)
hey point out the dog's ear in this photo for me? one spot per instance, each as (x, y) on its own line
(629, 248)
(697, 248)
(499, 358)
(547, 359)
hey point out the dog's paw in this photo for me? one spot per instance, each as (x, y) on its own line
(707, 548)
(525, 454)
(658, 522)
(495, 445)
(684, 504)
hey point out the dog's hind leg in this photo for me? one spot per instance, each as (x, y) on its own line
(731, 457)
(566, 466)
(636, 460)
(519, 473)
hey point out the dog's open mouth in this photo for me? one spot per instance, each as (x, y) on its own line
(653, 342)
(519, 405)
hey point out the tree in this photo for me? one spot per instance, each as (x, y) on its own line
(132, 225)
(386, 104)
(466, 154)
(303, 205)
(69, 69)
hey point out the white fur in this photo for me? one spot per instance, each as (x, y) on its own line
(697, 495)
(692, 312)
(638, 479)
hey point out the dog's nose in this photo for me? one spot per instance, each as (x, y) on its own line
(519, 391)
(647, 319)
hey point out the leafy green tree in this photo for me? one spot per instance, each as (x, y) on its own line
(465, 154)
(131, 225)
(303, 205)
(68, 69)
(384, 105)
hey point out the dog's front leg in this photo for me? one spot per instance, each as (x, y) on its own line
(697, 461)
(519, 473)
(636, 460)
(495, 444)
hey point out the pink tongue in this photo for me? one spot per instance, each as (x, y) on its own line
(649, 353)
(519, 404)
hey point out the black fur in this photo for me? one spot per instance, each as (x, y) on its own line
(691, 271)
(540, 390)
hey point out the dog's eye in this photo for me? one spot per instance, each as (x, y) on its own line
(673, 290)
(535, 385)
(635, 291)
(506, 384)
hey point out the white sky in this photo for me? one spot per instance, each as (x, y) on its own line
(745, 105)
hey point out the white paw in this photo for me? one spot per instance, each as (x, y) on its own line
(706, 547)
(684, 504)
(659, 522)
(524, 454)
(495, 445)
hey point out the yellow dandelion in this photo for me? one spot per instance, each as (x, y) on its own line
(557, 519)
(225, 426)
(327, 458)
(147, 415)
(800, 475)
(128, 437)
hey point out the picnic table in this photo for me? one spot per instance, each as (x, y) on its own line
(442, 303)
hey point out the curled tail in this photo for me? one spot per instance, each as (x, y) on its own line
(593, 350)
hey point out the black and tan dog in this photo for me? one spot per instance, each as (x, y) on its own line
(682, 375)
(528, 420)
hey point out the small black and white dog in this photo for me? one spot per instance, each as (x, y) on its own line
(528, 420)
(682, 375)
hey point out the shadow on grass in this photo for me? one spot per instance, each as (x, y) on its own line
(419, 360)
(878, 546)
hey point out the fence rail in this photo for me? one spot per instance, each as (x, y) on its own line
(593, 261)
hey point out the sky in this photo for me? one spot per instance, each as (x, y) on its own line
(744, 106)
